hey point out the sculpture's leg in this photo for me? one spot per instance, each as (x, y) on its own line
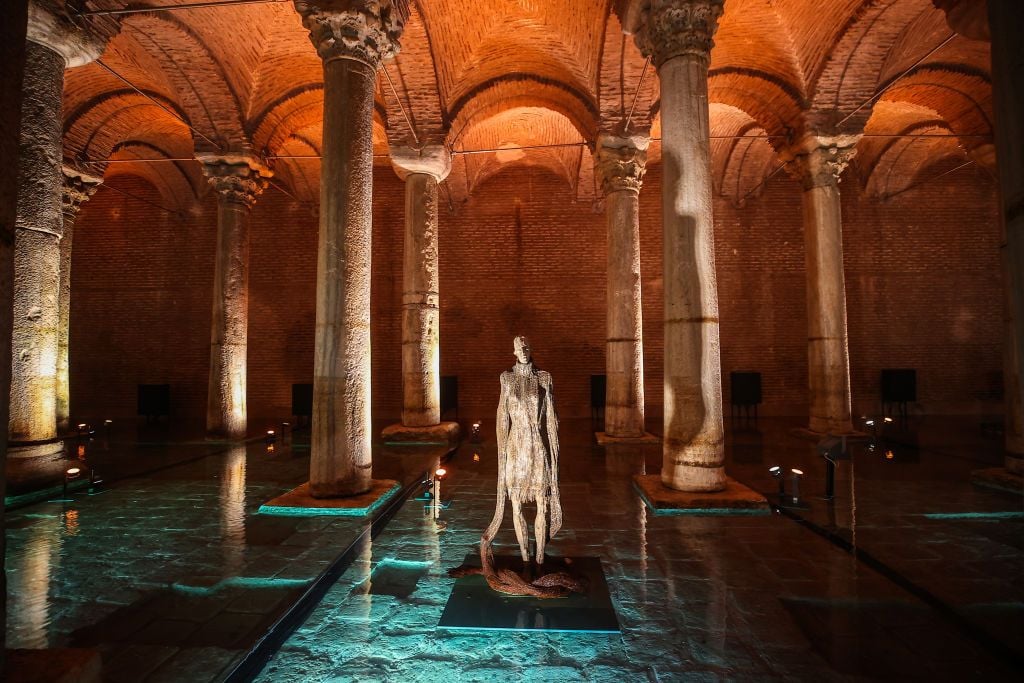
(520, 524)
(540, 527)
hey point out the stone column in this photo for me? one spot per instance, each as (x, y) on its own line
(78, 187)
(13, 20)
(677, 34)
(52, 46)
(421, 373)
(620, 163)
(818, 163)
(238, 180)
(1005, 17)
(352, 37)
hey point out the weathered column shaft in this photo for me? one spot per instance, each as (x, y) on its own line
(352, 42)
(1005, 17)
(421, 354)
(620, 165)
(37, 251)
(76, 190)
(828, 357)
(237, 184)
(678, 35)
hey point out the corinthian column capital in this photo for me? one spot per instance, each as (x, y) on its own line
(236, 179)
(620, 162)
(363, 30)
(434, 160)
(50, 25)
(77, 189)
(819, 161)
(671, 28)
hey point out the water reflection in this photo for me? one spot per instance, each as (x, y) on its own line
(29, 571)
(232, 511)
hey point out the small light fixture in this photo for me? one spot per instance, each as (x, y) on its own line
(270, 449)
(476, 457)
(83, 429)
(271, 436)
(71, 473)
(439, 474)
(889, 455)
(796, 484)
(474, 432)
(888, 419)
(776, 472)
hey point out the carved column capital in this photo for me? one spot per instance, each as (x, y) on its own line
(237, 179)
(671, 28)
(364, 30)
(819, 161)
(433, 160)
(620, 162)
(50, 25)
(77, 189)
(969, 18)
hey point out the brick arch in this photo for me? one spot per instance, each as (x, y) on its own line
(302, 176)
(852, 73)
(774, 104)
(296, 110)
(414, 73)
(203, 90)
(961, 96)
(741, 156)
(905, 160)
(518, 91)
(100, 125)
(179, 185)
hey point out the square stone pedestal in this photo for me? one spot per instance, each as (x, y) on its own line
(71, 665)
(444, 434)
(604, 439)
(999, 478)
(299, 503)
(736, 499)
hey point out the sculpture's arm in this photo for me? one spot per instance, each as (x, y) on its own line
(551, 418)
(502, 437)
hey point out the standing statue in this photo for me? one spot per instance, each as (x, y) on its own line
(527, 472)
(527, 452)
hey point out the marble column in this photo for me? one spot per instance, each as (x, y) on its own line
(351, 38)
(818, 162)
(422, 170)
(238, 180)
(677, 34)
(620, 163)
(77, 189)
(1004, 20)
(52, 46)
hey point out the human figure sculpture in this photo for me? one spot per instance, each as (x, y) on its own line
(527, 453)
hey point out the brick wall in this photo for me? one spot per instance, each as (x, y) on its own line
(519, 257)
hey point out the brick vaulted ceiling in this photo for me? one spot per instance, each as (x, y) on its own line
(510, 82)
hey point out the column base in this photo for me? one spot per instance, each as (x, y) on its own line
(444, 434)
(35, 449)
(605, 439)
(299, 502)
(736, 499)
(999, 478)
(70, 665)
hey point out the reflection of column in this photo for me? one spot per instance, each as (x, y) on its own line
(677, 34)
(237, 181)
(422, 170)
(352, 42)
(52, 46)
(29, 573)
(818, 164)
(78, 187)
(232, 511)
(620, 164)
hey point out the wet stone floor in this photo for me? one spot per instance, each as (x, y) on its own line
(173, 576)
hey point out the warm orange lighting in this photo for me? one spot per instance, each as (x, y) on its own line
(796, 471)
(476, 457)
(440, 472)
(73, 471)
(889, 455)
(270, 448)
(81, 451)
(71, 522)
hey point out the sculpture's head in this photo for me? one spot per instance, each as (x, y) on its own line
(522, 349)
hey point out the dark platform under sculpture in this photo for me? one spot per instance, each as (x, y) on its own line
(474, 606)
